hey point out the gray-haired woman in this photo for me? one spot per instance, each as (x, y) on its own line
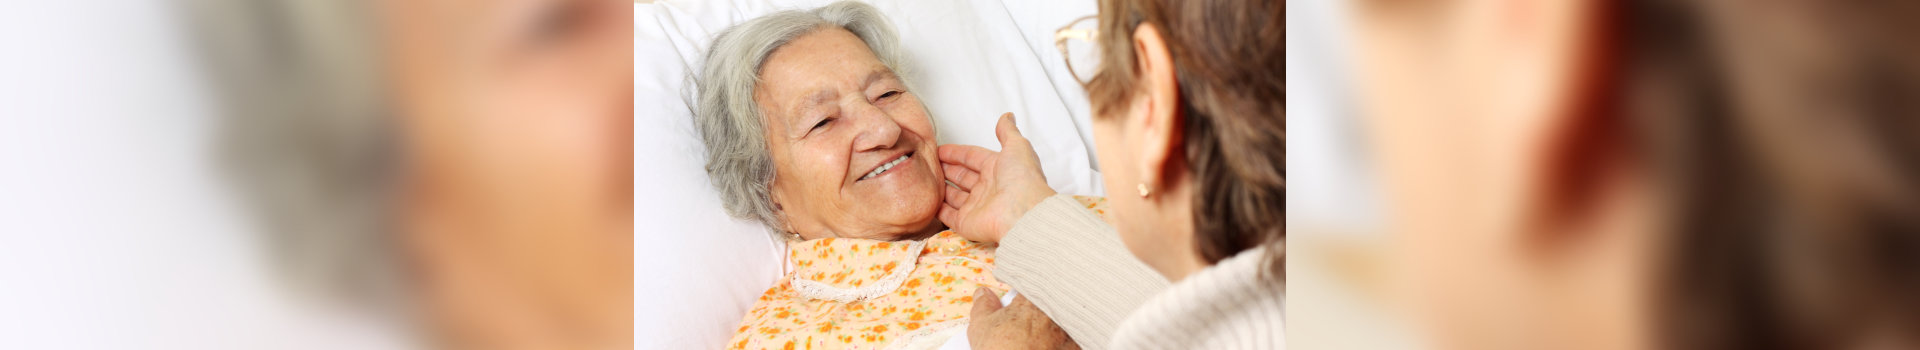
(463, 164)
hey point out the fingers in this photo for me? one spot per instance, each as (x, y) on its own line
(979, 158)
(981, 325)
(950, 208)
(950, 215)
(982, 321)
(960, 176)
(956, 197)
(1007, 131)
(985, 303)
(970, 156)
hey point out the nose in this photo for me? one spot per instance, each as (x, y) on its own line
(878, 131)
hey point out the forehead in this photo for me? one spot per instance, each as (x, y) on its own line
(826, 59)
(830, 47)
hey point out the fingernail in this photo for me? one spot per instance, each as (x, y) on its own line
(982, 293)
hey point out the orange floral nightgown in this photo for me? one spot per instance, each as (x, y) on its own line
(868, 294)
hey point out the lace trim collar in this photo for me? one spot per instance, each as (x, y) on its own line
(847, 270)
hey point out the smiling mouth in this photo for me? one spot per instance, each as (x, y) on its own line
(882, 169)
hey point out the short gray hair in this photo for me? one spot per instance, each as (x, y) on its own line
(306, 140)
(730, 121)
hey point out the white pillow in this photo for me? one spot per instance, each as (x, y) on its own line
(698, 270)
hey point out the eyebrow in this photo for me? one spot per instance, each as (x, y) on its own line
(879, 73)
(816, 98)
(807, 105)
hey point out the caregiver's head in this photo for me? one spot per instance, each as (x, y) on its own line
(1649, 173)
(810, 127)
(1190, 124)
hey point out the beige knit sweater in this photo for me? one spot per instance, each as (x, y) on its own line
(1074, 267)
(1226, 306)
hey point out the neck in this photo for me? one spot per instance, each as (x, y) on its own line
(1180, 257)
(932, 229)
(1603, 284)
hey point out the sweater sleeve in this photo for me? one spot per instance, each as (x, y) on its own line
(1073, 266)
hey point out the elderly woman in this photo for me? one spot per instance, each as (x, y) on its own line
(811, 130)
(460, 170)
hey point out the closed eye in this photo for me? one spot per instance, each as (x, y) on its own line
(821, 124)
(887, 95)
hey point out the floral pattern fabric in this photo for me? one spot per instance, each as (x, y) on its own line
(869, 294)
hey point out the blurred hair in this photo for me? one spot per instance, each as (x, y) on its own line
(730, 122)
(1787, 136)
(1228, 56)
(304, 137)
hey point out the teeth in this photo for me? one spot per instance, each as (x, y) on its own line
(883, 167)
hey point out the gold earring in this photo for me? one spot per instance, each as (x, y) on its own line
(1143, 190)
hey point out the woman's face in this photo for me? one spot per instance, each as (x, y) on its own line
(853, 150)
(516, 117)
(1464, 101)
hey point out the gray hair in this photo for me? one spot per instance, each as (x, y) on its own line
(730, 121)
(305, 139)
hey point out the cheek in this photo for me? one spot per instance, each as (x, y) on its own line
(1110, 148)
(801, 172)
(912, 118)
(824, 166)
(1116, 170)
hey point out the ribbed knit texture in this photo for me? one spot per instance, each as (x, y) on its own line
(1073, 266)
(1226, 306)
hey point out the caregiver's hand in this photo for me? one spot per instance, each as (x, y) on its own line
(994, 188)
(1018, 325)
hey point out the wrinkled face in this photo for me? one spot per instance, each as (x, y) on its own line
(516, 119)
(853, 150)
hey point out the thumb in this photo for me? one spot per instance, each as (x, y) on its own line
(1006, 131)
(950, 216)
(984, 303)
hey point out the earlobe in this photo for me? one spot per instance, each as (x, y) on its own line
(773, 194)
(780, 211)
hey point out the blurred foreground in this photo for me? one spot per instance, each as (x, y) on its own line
(1620, 175)
(214, 174)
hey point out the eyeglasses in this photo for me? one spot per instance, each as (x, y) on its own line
(1077, 43)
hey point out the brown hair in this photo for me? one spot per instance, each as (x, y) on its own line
(1787, 136)
(1228, 55)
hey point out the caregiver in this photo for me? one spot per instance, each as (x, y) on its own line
(1189, 123)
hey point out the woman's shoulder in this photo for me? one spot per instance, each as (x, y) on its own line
(1189, 313)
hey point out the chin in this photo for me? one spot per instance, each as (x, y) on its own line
(914, 207)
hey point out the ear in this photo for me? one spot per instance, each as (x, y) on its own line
(1585, 144)
(779, 207)
(778, 198)
(1163, 126)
